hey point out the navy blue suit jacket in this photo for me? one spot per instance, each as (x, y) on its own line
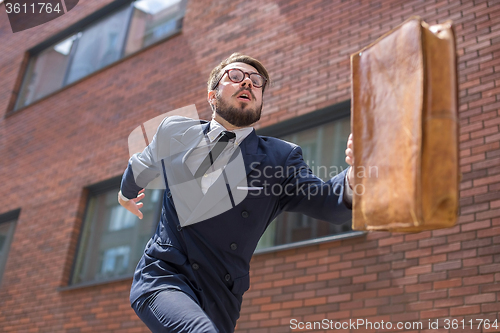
(209, 260)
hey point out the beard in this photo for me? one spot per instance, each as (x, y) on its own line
(242, 116)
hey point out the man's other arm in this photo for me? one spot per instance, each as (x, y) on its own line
(141, 170)
(306, 193)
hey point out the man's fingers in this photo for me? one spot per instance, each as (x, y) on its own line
(138, 206)
(139, 197)
(135, 210)
(349, 141)
(134, 207)
(349, 156)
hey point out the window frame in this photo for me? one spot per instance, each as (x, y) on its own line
(301, 123)
(93, 190)
(29, 56)
(9, 217)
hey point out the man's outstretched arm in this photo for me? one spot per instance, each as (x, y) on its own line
(306, 193)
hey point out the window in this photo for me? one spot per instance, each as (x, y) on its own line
(121, 32)
(113, 239)
(7, 227)
(323, 144)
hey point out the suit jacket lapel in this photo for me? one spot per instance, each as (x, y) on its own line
(250, 153)
(244, 160)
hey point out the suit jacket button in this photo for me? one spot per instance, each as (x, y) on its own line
(195, 266)
(234, 246)
(169, 194)
(227, 277)
(244, 214)
(179, 228)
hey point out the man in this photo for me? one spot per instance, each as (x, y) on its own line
(195, 268)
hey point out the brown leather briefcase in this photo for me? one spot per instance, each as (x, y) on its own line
(405, 131)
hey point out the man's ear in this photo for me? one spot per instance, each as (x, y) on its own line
(211, 97)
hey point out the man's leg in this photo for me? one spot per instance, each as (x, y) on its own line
(173, 311)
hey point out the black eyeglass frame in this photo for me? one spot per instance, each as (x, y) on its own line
(249, 76)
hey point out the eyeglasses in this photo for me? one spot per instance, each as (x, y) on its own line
(236, 75)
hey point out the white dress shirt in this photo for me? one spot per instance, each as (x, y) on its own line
(197, 156)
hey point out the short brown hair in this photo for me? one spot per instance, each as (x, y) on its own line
(237, 57)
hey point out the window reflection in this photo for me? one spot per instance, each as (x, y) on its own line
(7, 229)
(46, 72)
(152, 20)
(99, 46)
(113, 239)
(323, 149)
(125, 31)
(115, 261)
(121, 219)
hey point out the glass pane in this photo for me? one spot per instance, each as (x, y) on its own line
(323, 149)
(45, 74)
(115, 260)
(3, 239)
(4, 232)
(6, 235)
(99, 45)
(153, 20)
(113, 239)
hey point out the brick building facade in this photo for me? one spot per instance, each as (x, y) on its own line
(57, 148)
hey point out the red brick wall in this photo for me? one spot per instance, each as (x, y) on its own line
(56, 147)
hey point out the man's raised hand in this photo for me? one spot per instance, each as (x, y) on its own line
(133, 205)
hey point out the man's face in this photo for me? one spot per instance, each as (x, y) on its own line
(240, 104)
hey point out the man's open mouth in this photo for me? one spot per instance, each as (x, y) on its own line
(245, 97)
